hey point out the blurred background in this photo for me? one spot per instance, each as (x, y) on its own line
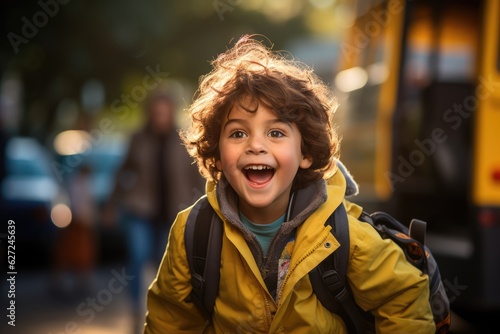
(418, 86)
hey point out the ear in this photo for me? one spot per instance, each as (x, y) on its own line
(306, 162)
(218, 165)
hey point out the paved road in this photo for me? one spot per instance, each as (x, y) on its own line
(103, 309)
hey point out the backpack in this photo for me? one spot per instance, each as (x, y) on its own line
(203, 240)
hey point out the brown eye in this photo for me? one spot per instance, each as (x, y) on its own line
(276, 134)
(237, 134)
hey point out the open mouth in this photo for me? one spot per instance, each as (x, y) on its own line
(258, 174)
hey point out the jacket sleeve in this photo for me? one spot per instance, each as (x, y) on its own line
(383, 282)
(169, 307)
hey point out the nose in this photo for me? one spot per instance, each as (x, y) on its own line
(256, 145)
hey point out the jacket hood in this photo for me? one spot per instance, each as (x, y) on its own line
(352, 188)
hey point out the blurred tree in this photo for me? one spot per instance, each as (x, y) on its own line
(62, 44)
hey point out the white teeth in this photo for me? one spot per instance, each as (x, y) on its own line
(257, 167)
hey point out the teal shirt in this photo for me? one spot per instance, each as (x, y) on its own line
(263, 232)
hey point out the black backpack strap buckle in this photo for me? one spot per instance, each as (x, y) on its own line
(329, 279)
(333, 281)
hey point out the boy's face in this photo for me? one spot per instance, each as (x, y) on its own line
(260, 156)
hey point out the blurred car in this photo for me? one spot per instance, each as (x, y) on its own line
(33, 197)
(103, 159)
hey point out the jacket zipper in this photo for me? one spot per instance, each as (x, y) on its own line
(268, 309)
(290, 270)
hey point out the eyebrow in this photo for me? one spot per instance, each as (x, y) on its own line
(245, 122)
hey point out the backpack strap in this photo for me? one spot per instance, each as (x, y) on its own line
(203, 239)
(329, 282)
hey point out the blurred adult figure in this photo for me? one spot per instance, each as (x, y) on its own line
(156, 179)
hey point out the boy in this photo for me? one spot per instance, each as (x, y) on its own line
(262, 135)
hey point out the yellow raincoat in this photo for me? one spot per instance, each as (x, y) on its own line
(382, 281)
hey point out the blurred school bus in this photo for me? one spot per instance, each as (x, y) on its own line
(419, 89)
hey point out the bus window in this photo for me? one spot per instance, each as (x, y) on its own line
(439, 74)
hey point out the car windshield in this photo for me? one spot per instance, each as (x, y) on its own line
(26, 168)
(25, 157)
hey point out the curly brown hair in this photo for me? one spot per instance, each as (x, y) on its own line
(252, 71)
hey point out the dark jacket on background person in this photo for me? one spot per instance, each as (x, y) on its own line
(137, 181)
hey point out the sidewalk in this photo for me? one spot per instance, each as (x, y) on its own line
(104, 309)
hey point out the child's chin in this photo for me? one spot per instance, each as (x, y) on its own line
(260, 203)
